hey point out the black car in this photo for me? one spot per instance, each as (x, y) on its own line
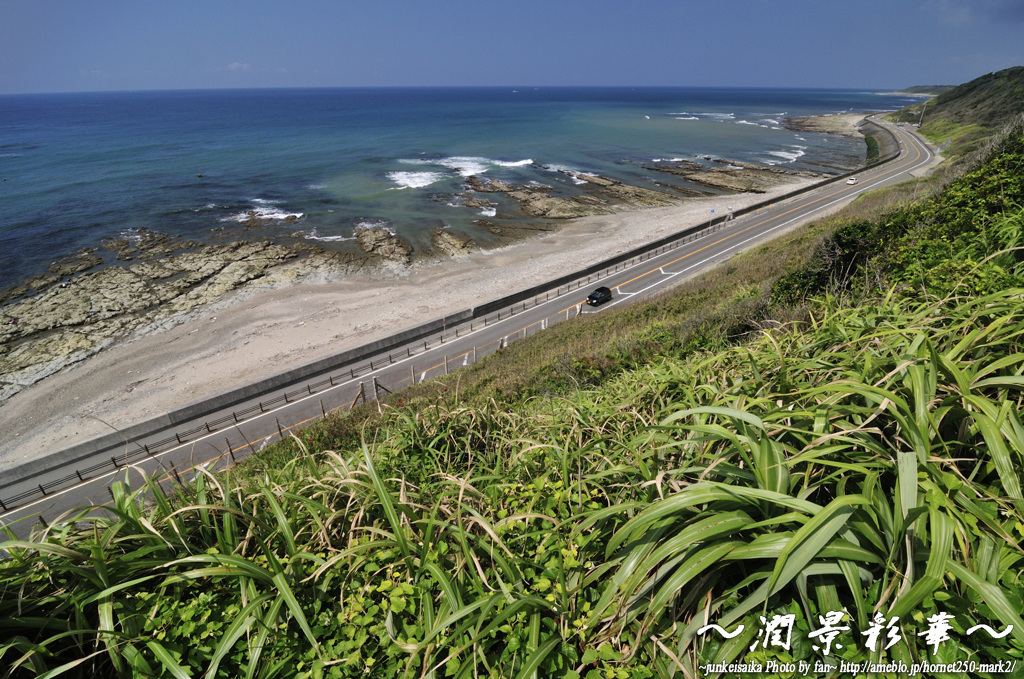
(599, 296)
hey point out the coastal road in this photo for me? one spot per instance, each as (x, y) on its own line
(215, 440)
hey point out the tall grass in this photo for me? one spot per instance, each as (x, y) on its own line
(868, 463)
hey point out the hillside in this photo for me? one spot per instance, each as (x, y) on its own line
(828, 423)
(991, 101)
(963, 116)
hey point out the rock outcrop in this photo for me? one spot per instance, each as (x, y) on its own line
(601, 196)
(615, 192)
(65, 323)
(378, 241)
(451, 244)
(83, 260)
(728, 176)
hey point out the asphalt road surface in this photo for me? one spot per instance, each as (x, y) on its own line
(246, 427)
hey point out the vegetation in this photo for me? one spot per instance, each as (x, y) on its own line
(872, 154)
(831, 424)
(962, 118)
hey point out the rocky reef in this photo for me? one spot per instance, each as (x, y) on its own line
(450, 243)
(83, 260)
(728, 176)
(58, 320)
(67, 322)
(601, 196)
(379, 241)
(844, 124)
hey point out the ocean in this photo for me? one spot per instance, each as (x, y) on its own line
(315, 164)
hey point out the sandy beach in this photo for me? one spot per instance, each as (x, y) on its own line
(267, 328)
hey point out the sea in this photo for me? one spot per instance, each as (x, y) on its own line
(315, 164)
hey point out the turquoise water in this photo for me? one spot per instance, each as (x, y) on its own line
(78, 168)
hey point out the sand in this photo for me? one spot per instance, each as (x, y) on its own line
(261, 331)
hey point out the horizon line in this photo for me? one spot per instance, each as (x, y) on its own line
(878, 90)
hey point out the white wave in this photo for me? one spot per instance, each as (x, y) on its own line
(576, 175)
(131, 234)
(489, 212)
(263, 214)
(561, 168)
(687, 118)
(414, 180)
(317, 187)
(789, 156)
(747, 122)
(466, 166)
(315, 235)
(375, 223)
(514, 163)
(266, 201)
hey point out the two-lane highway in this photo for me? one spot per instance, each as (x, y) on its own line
(767, 223)
(215, 439)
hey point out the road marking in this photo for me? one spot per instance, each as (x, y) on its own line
(863, 188)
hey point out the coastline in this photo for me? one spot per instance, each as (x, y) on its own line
(288, 318)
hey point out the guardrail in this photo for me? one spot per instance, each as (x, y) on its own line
(524, 299)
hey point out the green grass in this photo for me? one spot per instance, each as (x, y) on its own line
(832, 423)
(872, 152)
(869, 459)
(955, 139)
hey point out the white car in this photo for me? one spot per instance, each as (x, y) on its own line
(851, 180)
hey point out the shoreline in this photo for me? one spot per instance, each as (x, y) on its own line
(281, 321)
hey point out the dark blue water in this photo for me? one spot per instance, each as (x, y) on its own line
(78, 168)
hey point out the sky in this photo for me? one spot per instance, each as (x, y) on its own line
(103, 45)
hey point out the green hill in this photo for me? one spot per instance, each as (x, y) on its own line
(963, 116)
(991, 101)
(829, 423)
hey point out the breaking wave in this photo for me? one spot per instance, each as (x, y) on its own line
(414, 180)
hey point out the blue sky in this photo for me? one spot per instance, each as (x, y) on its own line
(76, 45)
